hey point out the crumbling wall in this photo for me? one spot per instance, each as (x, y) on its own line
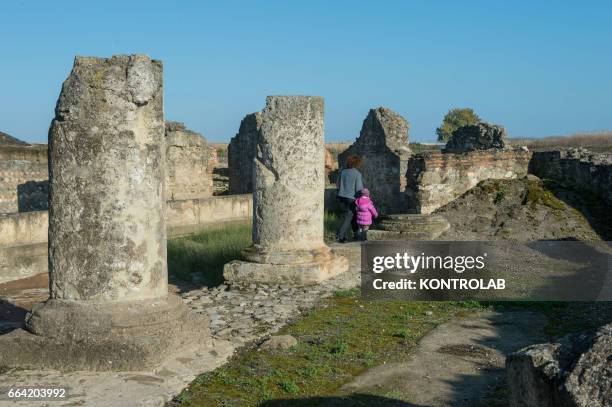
(18, 165)
(577, 168)
(240, 154)
(435, 179)
(383, 146)
(189, 163)
(23, 236)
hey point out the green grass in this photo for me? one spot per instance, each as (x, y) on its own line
(335, 343)
(206, 252)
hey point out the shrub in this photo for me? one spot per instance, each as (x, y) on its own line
(454, 119)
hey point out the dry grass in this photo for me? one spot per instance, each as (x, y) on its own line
(600, 141)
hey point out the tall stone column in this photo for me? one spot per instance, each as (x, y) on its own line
(109, 306)
(289, 183)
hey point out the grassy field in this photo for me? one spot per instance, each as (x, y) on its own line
(206, 252)
(600, 141)
(335, 343)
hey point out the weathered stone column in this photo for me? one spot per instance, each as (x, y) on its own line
(109, 306)
(288, 198)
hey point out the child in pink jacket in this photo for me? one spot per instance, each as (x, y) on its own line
(365, 212)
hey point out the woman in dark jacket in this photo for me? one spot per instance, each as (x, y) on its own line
(349, 185)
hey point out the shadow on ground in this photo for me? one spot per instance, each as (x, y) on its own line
(592, 207)
(354, 400)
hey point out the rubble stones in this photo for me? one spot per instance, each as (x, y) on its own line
(480, 136)
(573, 372)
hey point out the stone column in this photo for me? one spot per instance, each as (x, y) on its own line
(289, 183)
(109, 306)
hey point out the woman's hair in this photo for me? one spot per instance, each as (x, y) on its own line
(353, 161)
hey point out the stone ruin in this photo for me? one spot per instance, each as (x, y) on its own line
(24, 174)
(109, 307)
(436, 178)
(189, 162)
(21, 163)
(383, 146)
(575, 371)
(480, 136)
(241, 153)
(578, 168)
(288, 209)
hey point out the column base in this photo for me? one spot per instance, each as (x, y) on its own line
(313, 272)
(79, 335)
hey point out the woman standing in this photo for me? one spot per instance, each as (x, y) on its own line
(349, 185)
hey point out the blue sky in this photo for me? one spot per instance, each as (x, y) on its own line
(539, 69)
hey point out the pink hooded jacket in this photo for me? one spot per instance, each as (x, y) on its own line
(365, 210)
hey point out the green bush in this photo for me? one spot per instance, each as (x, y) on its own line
(454, 119)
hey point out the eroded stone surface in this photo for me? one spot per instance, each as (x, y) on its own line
(106, 150)
(435, 179)
(189, 163)
(383, 146)
(576, 372)
(480, 136)
(288, 197)
(409, 227)
(109, 307)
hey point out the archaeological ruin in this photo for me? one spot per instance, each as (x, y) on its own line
(288, 208)
(437, 178)
(108, 307)
(241, 153)
(189, 163)
(19, 164)
(120, 180)
(383, 146)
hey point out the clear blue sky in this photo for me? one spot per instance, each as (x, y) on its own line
(539, 68)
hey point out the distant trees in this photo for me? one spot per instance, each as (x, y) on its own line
(454, 119)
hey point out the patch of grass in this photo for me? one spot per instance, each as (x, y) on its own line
(339, 348)
(335, 343)
(353, 292)
(289, 386)
(537, 194)
(332, 222)
(206, 252)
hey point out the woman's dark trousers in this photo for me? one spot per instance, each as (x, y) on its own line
(349, 220)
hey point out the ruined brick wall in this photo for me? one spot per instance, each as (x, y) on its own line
(240, 154)
(580, 169)
(435, 178)
(383, 146)
(18, 165)
(189, 163)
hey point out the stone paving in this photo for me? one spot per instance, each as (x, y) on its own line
(239, 315)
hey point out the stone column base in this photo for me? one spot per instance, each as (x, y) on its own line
(79, 335)
(323, 266)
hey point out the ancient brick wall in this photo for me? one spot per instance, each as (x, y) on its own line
(576, 168)
(435, 178)
(18, 165)
(383, 146)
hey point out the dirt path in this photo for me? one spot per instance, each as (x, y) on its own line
(460, 363)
